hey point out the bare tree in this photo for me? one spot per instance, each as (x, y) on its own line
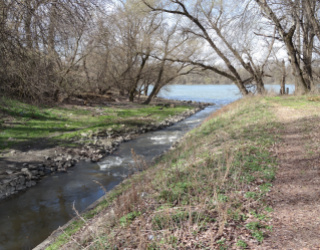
(286, 25)
(212, 22)
(36, 36)
(171, 47)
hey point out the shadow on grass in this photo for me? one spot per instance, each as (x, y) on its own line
(29, 115)
(27, 144)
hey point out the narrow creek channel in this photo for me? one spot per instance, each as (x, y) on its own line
(28, 218)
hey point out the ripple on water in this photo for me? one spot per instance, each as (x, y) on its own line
(164, 139)
(111, 161)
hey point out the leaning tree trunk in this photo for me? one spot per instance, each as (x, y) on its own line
(153, 93)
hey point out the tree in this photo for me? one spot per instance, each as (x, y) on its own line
(286, 25)
(41, 42)
(170, 48)
(212, 22)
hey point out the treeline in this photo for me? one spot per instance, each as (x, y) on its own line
(51, 50)
(42, 44)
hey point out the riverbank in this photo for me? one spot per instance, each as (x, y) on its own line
(215, 189)
(36, 142)
(207, 192)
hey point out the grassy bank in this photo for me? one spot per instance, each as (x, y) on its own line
(22, 123)
(210, 192)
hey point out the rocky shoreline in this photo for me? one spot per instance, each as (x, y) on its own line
(17, 177)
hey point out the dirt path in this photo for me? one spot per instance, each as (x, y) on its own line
(296, 193)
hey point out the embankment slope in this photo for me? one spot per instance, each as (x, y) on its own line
(227, 185)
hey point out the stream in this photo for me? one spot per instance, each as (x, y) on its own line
(29, 217)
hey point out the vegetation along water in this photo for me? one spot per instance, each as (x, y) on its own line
(211, 191)
(79, 79)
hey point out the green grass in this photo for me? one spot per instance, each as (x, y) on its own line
(296, 102)
(24, 123)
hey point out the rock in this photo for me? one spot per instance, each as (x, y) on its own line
(96, 158)
(20, 187)
(47, 170)
(5, 181)
(12, 166)
(69, 157)
(35, 177)
(32, 167)
(68, 164)
(34, 172)
(127, 138)
(10, 190)
(14, 182)
(100, 151)
(58, 159)
(9, 172)
(21, 180)
(26, 172)
(47, 158)
(25, 165)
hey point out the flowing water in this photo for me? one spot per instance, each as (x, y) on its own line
(28, 218)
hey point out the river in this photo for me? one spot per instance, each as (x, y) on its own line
(28, 218)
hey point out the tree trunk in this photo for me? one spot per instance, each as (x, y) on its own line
(242, 88)
(153, 93)
(146, 89)
(283, 80)
(288, 40)
(132, 93)
(301, 84)
(259, 83)
(133, 89)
